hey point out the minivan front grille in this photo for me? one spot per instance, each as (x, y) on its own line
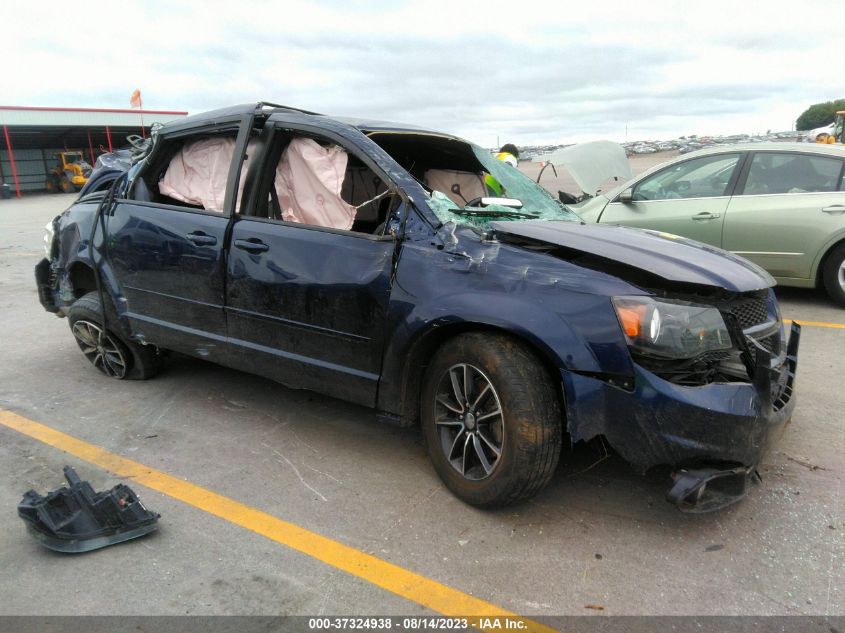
(749, 311)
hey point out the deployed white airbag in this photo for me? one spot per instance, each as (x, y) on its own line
(470, 185)
(309, 178)
(198, 173)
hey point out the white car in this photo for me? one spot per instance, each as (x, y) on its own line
(810, 137)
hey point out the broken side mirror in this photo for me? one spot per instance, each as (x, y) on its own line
(626, 196)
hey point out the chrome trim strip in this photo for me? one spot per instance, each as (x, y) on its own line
(790, 193)
(773, 253)
(669, 200)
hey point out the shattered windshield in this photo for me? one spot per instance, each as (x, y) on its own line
(527, 199)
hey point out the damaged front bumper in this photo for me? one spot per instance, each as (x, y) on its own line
(712, 435)
(698, 490)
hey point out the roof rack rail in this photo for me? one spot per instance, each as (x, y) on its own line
(270, 104)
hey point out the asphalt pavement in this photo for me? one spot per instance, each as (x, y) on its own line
(600, 538)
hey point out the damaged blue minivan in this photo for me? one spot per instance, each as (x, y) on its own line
(373, 262)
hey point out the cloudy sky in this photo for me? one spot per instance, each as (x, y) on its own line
(518, 71)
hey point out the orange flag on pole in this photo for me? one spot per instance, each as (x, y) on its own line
(135, 102)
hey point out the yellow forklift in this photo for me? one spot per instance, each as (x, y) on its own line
(70, 173)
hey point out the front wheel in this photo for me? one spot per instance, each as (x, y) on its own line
(492, 419)
(110, 352)
(834, 275)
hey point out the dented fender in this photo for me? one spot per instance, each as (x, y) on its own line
(70, 251)
(561, 310)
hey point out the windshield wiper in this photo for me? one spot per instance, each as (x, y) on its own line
(482, 213)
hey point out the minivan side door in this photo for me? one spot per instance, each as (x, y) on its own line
(168, 254)
(306, 304)
(688, 198)
(786, 208)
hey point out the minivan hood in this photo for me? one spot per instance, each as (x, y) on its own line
(670, 257)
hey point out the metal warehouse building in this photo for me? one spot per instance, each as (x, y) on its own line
(31, 138)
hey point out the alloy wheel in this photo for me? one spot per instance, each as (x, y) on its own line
(101, 349)
(469, 421)
(841, 275)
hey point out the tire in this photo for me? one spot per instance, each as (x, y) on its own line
(526, 432)
(67, 186)
(115, 356)
(834, 275)
(52, 187)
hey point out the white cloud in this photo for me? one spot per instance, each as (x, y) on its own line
(525, 72)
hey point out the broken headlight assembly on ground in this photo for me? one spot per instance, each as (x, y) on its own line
(76, 519)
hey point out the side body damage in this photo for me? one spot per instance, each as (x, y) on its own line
(360, 316)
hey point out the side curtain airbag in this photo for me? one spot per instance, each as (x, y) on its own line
(309, 179)
(198, 173)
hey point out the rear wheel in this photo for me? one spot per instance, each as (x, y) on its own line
(492, 419)
(52, 185)
(108, 351)
(67, 185)
(834, 275)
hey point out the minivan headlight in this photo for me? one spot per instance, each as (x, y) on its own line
(671, 329)
(49, 231)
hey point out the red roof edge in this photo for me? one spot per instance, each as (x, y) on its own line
(135, 111)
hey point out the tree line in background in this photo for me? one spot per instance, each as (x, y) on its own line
(819, 114)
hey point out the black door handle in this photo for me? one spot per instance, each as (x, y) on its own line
(201, 239)
(252, 245)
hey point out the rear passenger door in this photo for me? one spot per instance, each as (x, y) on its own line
(306, 299)
(787, 207)
(166, 249)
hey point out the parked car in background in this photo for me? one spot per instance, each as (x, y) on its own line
(812, 135)
(781, 205)
(368, 261)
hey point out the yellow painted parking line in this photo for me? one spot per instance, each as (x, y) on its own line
(838, 326)
(412, 586)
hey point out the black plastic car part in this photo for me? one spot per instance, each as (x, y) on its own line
(705, 489)
(76, 519)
